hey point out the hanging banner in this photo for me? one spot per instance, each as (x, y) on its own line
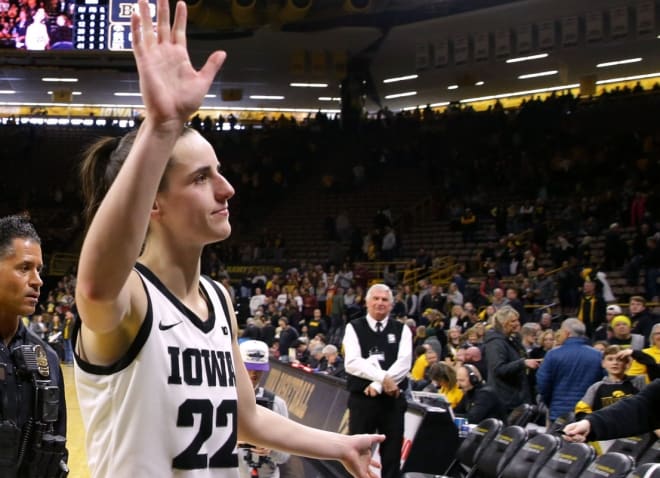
(594, 26)
(569, 31)
(422, 56)
(502, 43)
(524, 38)
(481, 46)
(645, 17)
(441, 53)
(461, 49)
(546, 34)
(619, 21)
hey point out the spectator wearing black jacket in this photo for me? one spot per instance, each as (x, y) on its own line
(479, 400)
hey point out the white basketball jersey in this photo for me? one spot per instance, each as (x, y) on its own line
(168, 408)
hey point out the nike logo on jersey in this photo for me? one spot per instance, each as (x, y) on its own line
(163, 326)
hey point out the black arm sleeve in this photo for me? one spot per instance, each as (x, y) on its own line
(633, 415)
(652, 368)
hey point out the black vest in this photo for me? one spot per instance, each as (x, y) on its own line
(372, 341)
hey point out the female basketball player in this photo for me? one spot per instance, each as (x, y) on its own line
(162, 387)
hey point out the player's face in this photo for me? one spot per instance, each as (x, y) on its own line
(379, 304)
(20, 279)
(193, 204)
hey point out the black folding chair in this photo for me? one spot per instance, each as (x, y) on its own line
(647, 470)
(469, 451)
(633, 446)
(569, 461)
(560, 422)
(497, 454)
(522, 415)
(651, 455)
(527, 462)
(610, 465)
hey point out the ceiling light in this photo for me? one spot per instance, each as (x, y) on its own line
(211, 95)
(479, 83)
(400, 78)
(628, 78)
(329, 98)
(540, 73)
(60, 80)
(522, 93)
(266, 97)
(452, 87)
(619, 62)
(527, 58)
(124, 93)
(309, 85)
(400, 95)
(7, 92)
(74, 93)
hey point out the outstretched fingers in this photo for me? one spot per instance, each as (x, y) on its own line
(163, 21)
(146, 25)
(179, 27)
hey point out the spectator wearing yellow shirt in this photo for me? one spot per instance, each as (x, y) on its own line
(639, 368)
(443, 377)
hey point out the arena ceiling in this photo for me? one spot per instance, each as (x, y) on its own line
(456, 48)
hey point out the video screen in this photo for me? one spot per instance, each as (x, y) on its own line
(37, 24)
(67, 24)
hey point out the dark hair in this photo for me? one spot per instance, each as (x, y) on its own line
(441, 372)
(15, 227)
(101, 164)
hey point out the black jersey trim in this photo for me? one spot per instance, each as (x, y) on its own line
(223, 302)
(205, 326)
(132, 352)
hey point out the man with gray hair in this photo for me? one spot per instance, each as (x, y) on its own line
(567, 371)
(378, 356)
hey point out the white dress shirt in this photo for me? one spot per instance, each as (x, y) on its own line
(369, 368)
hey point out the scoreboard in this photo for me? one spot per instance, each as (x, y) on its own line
(105, 24)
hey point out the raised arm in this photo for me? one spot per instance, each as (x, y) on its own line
(172, 90)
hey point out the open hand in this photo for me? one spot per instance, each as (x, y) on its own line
(358, 460)
(171, 88)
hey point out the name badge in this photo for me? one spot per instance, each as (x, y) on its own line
(376, 354)
(391, 338)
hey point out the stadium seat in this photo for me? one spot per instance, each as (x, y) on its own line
(634, 446)
(522, 415)
(647, 470)
(568, 462)
(560, 422)
(497, 454)
(610, 465)
(651, 455)
(527, 462)
(473, 445)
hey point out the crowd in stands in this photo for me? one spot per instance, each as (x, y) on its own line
(564, 175)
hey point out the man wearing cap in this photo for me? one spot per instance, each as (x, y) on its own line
(604, 330)
(622, 336)
(257, 461)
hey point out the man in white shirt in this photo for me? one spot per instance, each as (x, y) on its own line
(256, 301)
(378, 354)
